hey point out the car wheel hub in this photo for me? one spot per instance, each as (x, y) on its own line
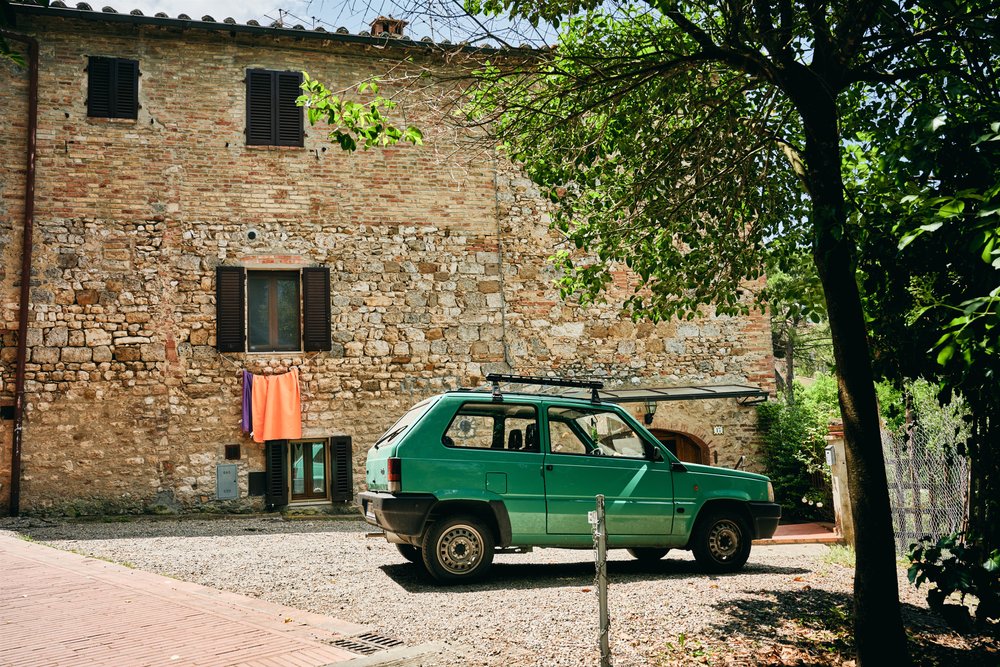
(460, 549)
(724, 540)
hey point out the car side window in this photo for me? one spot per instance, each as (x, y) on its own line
(499, 426)
(592, 432)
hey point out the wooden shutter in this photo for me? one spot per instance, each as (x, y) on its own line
(260, 116)
(275, 457)
(99, 75)
(112, 87)
(341, 461)
(316, 309)
(126, 91)
(230, 309)
(289, 130)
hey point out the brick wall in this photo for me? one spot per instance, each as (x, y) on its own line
(437, 258)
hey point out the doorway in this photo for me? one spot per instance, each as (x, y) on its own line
(685, 447)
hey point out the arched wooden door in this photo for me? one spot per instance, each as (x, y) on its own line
(683, 446)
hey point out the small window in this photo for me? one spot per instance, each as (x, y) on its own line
(593, 432)
(112, 87)
(273, 118)
(491, 426)
(273, 311)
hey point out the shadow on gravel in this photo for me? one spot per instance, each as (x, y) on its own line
(507, 576)
(114, 528)
(813, 627)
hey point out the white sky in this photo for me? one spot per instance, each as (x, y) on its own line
(441, 19)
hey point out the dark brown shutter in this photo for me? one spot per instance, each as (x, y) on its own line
(316, 309)
(99, 75)
(112, 87)
(260, 116)
(126, 91)
(289, 131)
(230, 309)
(276, 491)
(342, 479)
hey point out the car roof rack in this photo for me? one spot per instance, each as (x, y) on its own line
(496, 378)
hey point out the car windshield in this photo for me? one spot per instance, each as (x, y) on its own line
(411, 417)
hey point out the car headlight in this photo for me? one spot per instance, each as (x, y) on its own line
(770, 493)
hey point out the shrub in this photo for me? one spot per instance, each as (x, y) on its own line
(955, 565)
(793, 456)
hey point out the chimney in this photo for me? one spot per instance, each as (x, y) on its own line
(388, 25)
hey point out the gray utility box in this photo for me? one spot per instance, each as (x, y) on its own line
(227, 484)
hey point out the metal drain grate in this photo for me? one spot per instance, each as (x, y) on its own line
(366, 643)
(379, 640)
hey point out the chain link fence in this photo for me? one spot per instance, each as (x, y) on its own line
(928, 484)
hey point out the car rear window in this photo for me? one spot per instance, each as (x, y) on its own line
(402, 424)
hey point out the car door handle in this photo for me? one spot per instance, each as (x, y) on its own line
(548, 467)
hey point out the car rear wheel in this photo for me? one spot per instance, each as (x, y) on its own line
(458, 549)
(647, 554)
(410, 552)
(721, 542)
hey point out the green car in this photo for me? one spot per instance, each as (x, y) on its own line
(468, 473)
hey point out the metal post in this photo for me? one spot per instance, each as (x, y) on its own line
(601, 544)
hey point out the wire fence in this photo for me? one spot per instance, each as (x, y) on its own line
(928, 485)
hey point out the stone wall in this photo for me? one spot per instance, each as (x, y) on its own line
(437, 257)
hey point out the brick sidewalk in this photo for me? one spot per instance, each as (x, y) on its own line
(60, 608)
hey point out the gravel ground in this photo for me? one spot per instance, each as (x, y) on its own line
(533, 609)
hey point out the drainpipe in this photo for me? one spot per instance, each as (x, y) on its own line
(29, 219)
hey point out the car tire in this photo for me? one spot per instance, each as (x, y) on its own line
(410, 553)
(721, 542)
(458, 549)
(647, 554)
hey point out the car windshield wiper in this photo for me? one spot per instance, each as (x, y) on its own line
(385, 439)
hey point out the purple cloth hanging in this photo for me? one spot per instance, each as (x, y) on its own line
(247, 401)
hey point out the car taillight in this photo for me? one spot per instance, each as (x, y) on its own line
(395, 476)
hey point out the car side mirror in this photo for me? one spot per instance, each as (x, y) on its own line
(677, 466)
(656, 455)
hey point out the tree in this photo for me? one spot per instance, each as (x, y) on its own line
(943, 241)
(672, 137)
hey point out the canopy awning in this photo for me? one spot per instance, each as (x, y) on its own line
(745, 393)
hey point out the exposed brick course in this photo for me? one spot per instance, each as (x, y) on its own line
(437, 257)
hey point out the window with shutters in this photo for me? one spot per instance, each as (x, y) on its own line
(272, 311)
(273, 118)
(311, 470)
(112, 87)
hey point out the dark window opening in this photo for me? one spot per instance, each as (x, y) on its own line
(112, 87)
(232, 452)
(273, 118)
(273, 311)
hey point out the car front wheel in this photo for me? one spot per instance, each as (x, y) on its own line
(458, 549)
(722, 542)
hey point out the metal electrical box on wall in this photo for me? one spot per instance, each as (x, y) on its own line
(226, 484)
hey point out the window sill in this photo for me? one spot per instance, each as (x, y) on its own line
(101, 120)
(263, 147)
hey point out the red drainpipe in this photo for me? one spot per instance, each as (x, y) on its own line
(29, 220)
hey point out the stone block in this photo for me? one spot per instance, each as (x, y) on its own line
(127, 353)
(57, 337)
(153, 352)
(76, 355)
(97, 337)
(376, 348)
(45, 355)
(87, 297)
(102, 353)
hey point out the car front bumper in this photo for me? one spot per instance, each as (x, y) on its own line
(765, 519)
